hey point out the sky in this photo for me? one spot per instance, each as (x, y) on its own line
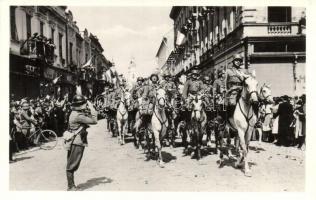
(126, 32)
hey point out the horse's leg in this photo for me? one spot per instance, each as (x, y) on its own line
(124, 130)
(199, 142)
(247, 138)
(119, 129)
(243, 146)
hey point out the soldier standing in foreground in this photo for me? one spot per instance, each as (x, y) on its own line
(83, 114)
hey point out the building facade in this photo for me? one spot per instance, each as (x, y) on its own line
(270, 39)
(46, 51)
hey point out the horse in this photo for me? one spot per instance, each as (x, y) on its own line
(244, 118)
(264, 114)
(265, 93)
(159, 122)
(198, 121)
(122, 116)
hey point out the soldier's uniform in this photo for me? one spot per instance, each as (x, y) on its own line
(147, 102)
(234, 81)
(219, 88)
(149, 93)
(169, 86)
(79, 118)
(192, 86)
(207, 90)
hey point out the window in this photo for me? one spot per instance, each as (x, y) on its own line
(13, 23)
(28, 26)
(41, 28)
(279, 14)
(86, 57)
(52, 34)
(70, 52)
(60, 46)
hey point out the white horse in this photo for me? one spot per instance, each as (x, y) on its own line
(244, 119)
(264, 113)
(159, 122)
(265, 93)
(198, 121)
(122, 116)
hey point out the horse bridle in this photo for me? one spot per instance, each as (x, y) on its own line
(264, 97)
(160, 107)
(124, 103)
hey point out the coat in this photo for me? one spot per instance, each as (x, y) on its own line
(80, 118)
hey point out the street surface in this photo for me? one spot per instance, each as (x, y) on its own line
(108, 166)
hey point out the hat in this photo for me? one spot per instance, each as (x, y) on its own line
(151, 76)
(78, 101)
(237, 57)
(25, 105)
(195, 71)
(206, 78)
(220, 72)
(140, 79)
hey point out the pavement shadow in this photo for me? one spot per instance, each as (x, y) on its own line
(22, 158)
(129, 139)
(257, 149)
(167, 157)
(94, 182)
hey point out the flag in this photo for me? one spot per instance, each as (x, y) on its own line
(88, 64)
(180, 38)
(56, 79)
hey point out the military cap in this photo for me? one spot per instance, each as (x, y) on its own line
(237, 57)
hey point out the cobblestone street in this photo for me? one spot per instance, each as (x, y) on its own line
(108, 166)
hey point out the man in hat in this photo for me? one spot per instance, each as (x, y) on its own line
(137, 90)
(234, 80)
(147, 100)
(207, 89)
(26, 120)
(192, 86)
(219, 85)
(83, 114)
(150, 89)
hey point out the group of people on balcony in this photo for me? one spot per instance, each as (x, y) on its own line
(39, 45)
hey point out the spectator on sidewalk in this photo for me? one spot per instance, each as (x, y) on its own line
(285, 113)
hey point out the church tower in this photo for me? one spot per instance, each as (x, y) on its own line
(132, 71)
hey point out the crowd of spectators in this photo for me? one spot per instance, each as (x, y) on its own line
(27, 114)
(283, 122)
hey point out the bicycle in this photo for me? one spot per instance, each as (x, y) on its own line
(45, 139)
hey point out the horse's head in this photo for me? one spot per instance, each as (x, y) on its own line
(161, 97)
(265, 93)
(250, 89)
(127, 98)
(197, 107)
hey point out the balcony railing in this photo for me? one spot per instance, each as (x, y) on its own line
(277, 29)
(38, 47)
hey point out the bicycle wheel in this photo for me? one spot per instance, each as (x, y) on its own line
(47, 139)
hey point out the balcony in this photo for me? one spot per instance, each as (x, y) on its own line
(271, 29)
(276, 29)
(38, 48)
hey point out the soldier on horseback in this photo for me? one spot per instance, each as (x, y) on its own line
(170, 87)
(207, 90)
(192, 86)
(219, 88)
(234, 82)
(147, 101)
